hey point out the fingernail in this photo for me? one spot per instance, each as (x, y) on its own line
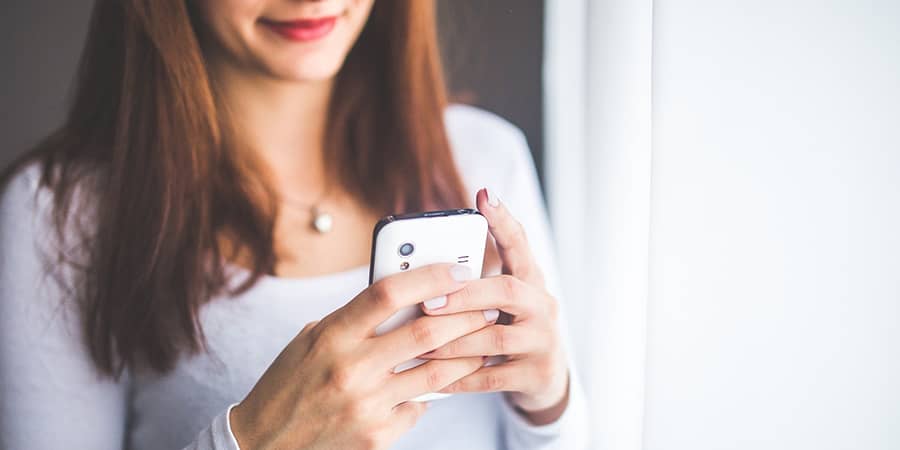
(492, 197)
(491, 314)
(435, 303)
(460, 272)
(411, 364)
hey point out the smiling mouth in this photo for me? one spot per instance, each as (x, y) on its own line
(302, 30)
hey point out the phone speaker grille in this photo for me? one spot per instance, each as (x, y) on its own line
(462, 259)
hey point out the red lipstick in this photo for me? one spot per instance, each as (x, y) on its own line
(302, 30)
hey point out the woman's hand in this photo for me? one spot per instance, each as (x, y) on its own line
(333, 386)
(535, 373)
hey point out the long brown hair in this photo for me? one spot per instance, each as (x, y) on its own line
(148, 144)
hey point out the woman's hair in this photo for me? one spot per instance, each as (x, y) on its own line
(148, 142)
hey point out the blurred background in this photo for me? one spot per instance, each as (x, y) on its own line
(723, 179)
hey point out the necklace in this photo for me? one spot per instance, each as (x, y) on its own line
(321, 220)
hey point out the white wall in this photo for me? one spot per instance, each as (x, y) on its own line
(774, 308)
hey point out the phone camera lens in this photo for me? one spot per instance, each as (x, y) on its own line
(406, 249)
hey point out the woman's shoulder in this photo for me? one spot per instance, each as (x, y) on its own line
(475, 130)
(486, 146)
(21, 191)
(25, 232)
(27, 205)
(466, 119)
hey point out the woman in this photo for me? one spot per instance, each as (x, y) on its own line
(191, 300)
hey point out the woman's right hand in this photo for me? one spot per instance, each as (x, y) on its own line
(333, 386)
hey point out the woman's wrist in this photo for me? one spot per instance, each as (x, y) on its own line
(240, 429)
(236, 426)
(547, 415)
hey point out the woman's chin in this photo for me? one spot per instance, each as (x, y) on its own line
(308, 71)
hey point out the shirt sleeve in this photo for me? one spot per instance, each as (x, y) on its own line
(218, 435)
(51, 395)
(521, 193)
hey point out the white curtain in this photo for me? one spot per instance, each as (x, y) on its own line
(598, 109)
(723, 179)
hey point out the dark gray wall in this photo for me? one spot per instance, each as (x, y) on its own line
(40, 41)
(493, 52)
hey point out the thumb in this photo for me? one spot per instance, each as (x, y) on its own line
(405, 416)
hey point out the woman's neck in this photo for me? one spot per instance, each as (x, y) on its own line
(283, 125)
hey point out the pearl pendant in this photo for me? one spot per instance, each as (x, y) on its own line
(322, 221)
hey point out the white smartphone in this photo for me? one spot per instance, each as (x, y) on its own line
(404, 242)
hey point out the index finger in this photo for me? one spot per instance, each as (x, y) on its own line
(509, 234)
(382, 299)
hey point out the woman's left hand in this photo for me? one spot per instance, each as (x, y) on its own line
(535, 374)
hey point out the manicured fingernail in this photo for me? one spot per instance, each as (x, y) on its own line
(406, 365)
(460, 272)
(492, 197)
(491, 314)
(435, 303)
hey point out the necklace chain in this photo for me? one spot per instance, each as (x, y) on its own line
(322, 221)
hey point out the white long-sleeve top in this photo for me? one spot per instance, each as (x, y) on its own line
(51, 396)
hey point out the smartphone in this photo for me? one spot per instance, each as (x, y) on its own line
(405, 242)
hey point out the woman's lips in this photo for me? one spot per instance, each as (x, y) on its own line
(302, 30)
